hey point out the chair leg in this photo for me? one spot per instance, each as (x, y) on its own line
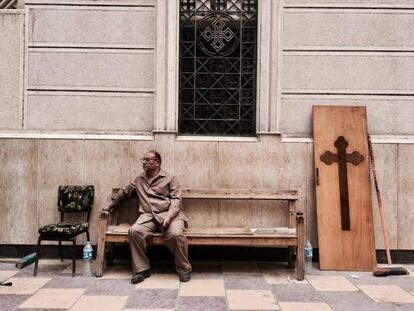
(87, 235)
(61, 250)
(74, 258)
(39, 240)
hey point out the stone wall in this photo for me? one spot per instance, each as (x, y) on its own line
(33, 169)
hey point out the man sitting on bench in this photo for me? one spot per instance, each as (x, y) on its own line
(159, 197)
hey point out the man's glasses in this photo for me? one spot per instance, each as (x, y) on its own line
(147, 159)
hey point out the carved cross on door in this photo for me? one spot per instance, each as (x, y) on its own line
(342, 158)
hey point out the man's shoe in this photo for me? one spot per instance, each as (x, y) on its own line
(140, 276)
(184, 276)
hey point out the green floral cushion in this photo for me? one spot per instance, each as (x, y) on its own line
(64, 229)
(75, 198)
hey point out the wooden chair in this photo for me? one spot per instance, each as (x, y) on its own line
(71, 199)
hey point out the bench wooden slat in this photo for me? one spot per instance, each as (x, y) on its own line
(239, 194)
(216, 240)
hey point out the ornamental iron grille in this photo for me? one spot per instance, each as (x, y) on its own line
(218, 67)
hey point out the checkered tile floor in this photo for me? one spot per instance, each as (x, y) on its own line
(214, 286)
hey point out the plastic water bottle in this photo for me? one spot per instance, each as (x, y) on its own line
(308, 254)
(87, 259)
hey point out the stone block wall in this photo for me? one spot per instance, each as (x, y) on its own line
(87, 87)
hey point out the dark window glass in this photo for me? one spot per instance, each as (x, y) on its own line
(218, 51)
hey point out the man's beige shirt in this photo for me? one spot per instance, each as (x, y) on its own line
(158, 198)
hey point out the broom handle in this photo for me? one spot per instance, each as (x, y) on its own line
(380, 207)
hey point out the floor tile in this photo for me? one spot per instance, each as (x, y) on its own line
(24, 286)
(296, 292)
(202, 304)
(161, 281)
(206, 270)
(148, 309)
(245, 281)
(274, 266)
(80, 265)
(282, 277)
(7, 274)
(118, 272)
(160, 267)
(387, 293)
(8, 264)
(152, 299)
(300, 306)
(240, 267)
(331, 283)
(111, 287)
(202, 288)
(389, 306)
(11, 302)
(101, 303)
(49, 298)
(345, 301)
(67, 281)
(44, 270)
(251, 300)
(41, 309)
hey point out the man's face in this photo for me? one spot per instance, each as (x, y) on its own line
(149, 162)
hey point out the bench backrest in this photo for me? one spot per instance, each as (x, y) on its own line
(225, 207)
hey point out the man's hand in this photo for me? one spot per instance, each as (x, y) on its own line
(166, 222)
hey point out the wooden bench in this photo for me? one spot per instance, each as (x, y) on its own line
(111, 231)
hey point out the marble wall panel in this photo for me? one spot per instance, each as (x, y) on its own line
(348, 29)
(363, 72)
(91, 69)
(106, 166)
(11, 62)
(271, 214)
(137, 149)
(74, 112)
(165, 145)
(311, 227)
(18, 184)
(133, 26)
(162, 143)
(61, 162)
(202, 213)
(284, 167)
(386, 116)
(196, 163)
(239, 213)
(386, 162)
(405, 197)
(239, 166)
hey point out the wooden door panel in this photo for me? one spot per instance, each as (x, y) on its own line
(343, 247)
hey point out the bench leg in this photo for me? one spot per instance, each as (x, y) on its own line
(300, 252)
(291, 257)
(100, 254)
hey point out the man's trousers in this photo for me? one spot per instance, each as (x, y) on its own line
(141, 234)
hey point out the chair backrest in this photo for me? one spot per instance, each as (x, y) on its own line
(75, 199)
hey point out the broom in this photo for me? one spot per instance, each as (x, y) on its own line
(386, 270)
